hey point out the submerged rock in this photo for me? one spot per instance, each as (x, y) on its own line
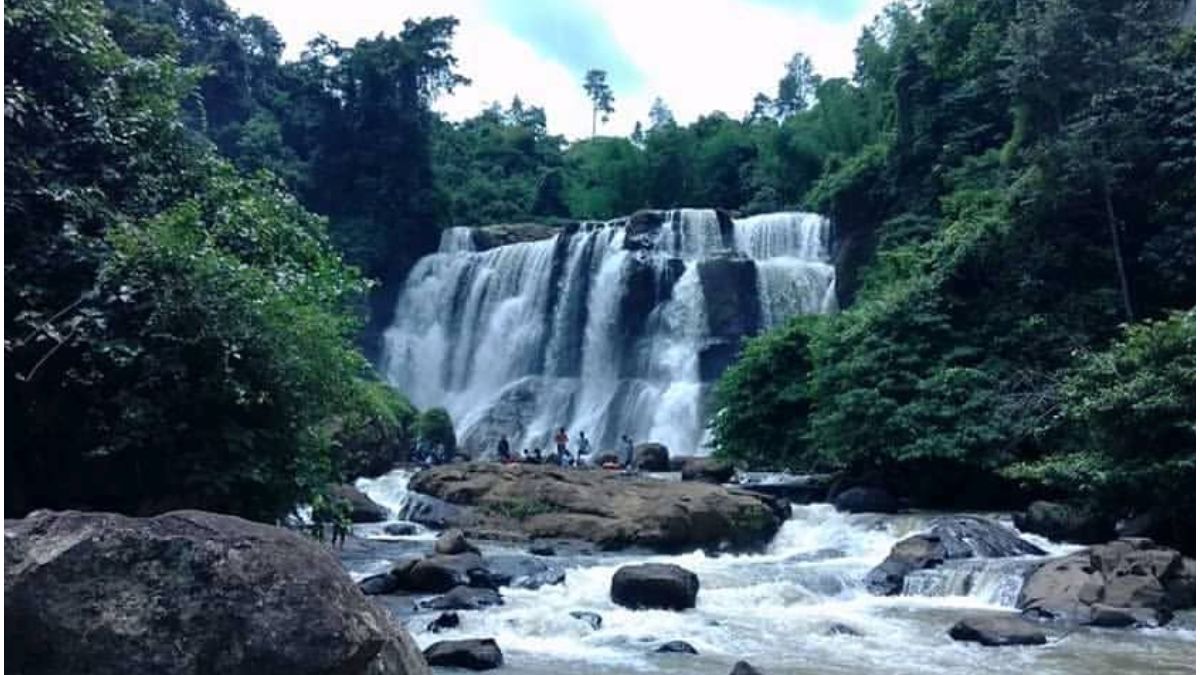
(675, 647)
(743, 668)
(1124, 582)
(400, 529)
(997, 631)
(444, 621)
(948, 538)
(843, 629)
(464, 598)
(707, 469)
(1064, 522)
(591, 618)
(609, 509)
(469, 654)
(866, 500)
(362, 508)
(182, 593)
(522, 571)
(654, 586)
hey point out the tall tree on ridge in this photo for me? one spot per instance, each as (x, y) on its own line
(595, 83)
(797, 87)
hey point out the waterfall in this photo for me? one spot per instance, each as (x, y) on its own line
(608, 328)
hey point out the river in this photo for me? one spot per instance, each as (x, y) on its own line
(778, 609)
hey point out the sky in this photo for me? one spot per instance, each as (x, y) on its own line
(698, 55)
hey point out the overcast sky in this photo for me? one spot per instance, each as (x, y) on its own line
(699, 55)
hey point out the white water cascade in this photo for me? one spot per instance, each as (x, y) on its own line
(607, 328)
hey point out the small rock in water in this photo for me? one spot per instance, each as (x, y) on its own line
(743, 668)
(843, 629)
(997, 631)
(465, 597)
(593, 619)
(866, 500)
(453, 542)
(675, 647)
(444, 621)
(655, 586)
(482, 654)
(542, 550)
(379, 584)
(400, 529)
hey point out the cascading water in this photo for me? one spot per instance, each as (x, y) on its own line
(608, 328)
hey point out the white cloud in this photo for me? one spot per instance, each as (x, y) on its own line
(700, 56)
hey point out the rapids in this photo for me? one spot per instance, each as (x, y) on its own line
(776, 610)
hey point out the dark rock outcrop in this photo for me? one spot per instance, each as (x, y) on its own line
(651, 457)
(948, 538)
(590, 618)
(362, 508)
(605, 508)
(482, 654)
(182, 593)
(997, 631)
(1065, 522)
(730, 287)
(707, 470)
(801, 489)
(400, 529)
(522, 571)
(464, 598)
(440, 573)
(491, 236)
(866, 500)
(654, 586)
(743, 668)
(1124, 582)
(430, 511)
(675, 647)
(444, 621)
(642, 230)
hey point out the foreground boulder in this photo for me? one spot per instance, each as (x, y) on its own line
(362, 508)
(1128, 582)
(997, 631)
(707, 470)
(469, 654)
(948, 538)
(186, 592)
(608, 509)
(1065, 522)
(654, 586)
(866, 500)
(651, 457)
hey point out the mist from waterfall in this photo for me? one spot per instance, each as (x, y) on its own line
(610, 328)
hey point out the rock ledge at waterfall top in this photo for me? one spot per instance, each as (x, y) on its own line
(186, 592)
(609, 509)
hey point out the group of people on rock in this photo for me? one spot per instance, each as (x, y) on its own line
(562, 455)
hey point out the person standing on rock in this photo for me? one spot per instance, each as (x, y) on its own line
(502, 451)
(626, 451)
(585, 448)
(560, 441)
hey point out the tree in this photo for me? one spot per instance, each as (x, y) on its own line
(596, 85)
(796, 87)
(660, 114)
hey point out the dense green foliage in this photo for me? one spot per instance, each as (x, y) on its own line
(179, 334)
(435, 428)
(1033, 190)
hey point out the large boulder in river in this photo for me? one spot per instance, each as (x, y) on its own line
(362, 508)
(1124, 582)
(866, 500)
(1065, 522)
(651, 457)
(707, 470)
(468, 654)
(606, 508)
(654, 586)
(440, 573)
(948, 538)
(430, 511)
(186, 592)
(998, 630)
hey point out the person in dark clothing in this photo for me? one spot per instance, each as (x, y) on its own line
(502, 450)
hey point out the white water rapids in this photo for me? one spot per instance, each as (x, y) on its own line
(776, 610)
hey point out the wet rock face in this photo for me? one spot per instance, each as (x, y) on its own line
(866, 500)
(1064, 522)
(183, 593)
(482, 654)
(654, 586)
(707, 470)
(607, 509)
(651, 457)
(675, 647)
(362, 508)
(491, 236)
(730, 287)
(997, 631)
(949, 538)
(1128, 582)
(464, 598)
